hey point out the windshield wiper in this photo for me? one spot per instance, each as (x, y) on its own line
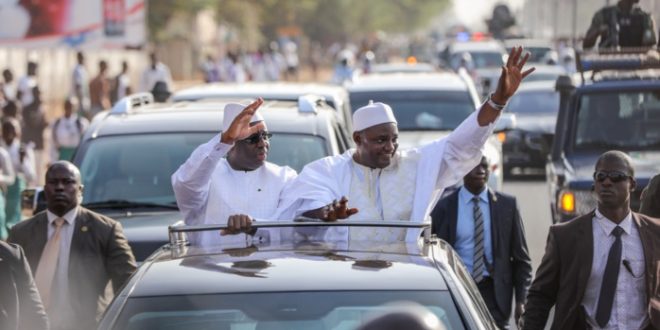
(122, 203)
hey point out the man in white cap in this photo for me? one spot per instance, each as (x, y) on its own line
(382, 183)
(228, 177)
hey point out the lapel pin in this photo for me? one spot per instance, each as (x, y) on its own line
(259, 189)
(84, 229)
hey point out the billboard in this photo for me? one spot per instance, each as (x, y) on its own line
(72, 23)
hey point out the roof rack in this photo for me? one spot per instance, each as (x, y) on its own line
(617, 60)
(177, 237)
(130, 102)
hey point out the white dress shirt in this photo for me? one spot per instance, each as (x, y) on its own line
(61, 314)
(151, 76)
(208, 190)
(629, 309)
(25, 86)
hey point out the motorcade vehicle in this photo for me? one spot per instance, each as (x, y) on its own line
(541, 51)
(335, 96)
(128, 155)
(297, 281)
(527, 146)
(484, 57)
(402, 67)
(428, 106)
(616, 106)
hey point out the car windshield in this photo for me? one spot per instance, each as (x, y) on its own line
(625, 121)
(277, 310)
(536, 54)
(421, 110)
(137, 168)
(541, 102)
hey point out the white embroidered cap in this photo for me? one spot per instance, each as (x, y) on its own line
(232, 110)
(372, 114)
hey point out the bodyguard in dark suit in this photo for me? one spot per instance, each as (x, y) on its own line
(20, 305)
(73, 252)
(600, 270)
(493, 226)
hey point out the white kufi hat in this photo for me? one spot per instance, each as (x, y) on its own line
(372, 114)
(232, 110)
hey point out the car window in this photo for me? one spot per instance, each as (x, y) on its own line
(278, 310)
(138, 167)
(542, 102)
(421, 110)
(625, 121)
(480, 60)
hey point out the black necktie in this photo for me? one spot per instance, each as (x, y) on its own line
(610, 279)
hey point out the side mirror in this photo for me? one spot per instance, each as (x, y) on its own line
(506, 122)
(33, 200)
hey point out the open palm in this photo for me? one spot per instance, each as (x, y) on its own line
(240, 128)
(512, 75)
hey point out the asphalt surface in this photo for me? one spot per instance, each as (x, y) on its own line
(534, 205)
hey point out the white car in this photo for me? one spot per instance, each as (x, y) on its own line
(427, 106)
(334, 96)
(486, 57)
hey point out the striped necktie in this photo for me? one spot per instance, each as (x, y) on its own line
(478, 264)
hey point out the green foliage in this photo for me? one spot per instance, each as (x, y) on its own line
(323, 20)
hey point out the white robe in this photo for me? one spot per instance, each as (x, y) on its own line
(208, 190)
(437, 165)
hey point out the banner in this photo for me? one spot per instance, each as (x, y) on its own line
(73, 23)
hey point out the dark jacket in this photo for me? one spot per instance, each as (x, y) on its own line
(512, 266)
(562, 277)
(20, 305)
(99, 254)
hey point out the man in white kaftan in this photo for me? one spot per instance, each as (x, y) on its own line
(227, 178)
(382, 183)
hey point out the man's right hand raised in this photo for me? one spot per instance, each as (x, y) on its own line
(240, 128)
(334, 211)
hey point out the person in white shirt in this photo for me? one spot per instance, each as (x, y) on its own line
(27, 84)
(67, 131)
(80, 84)
(121, 85)
(23, 161)
(228, 177)
(383, 183)
(157, 71)
(8, 87)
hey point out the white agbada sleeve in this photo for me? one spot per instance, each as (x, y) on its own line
(318, 184)
(446, 161)
(192, 180)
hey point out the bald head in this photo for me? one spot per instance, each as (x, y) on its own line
(617, 156)
(64, 165)
(63, 189)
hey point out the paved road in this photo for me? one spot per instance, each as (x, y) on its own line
(534, 205)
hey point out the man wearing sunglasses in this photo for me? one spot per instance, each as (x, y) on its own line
(228, 177)
(600, 270)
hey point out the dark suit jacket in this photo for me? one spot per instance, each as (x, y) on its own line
(512, 266)
(99, 254)
(562, 277)
(20, 304)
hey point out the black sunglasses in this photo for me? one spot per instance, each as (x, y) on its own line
(256, 137)
(615, 176)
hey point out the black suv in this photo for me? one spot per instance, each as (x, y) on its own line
(618, 108)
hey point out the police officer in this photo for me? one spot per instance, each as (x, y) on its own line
(622, 25)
